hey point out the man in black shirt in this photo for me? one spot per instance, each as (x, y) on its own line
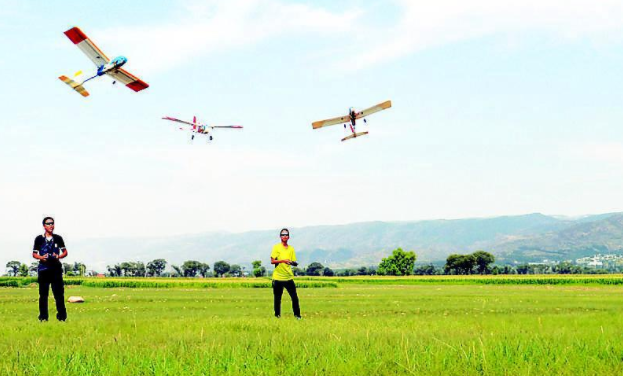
(49, 248)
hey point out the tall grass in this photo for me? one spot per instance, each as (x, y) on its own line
(359, 329)
(550, 279)
(164, 282)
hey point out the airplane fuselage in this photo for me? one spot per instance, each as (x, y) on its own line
(115, 63)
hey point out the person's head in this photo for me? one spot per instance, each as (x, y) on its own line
(48, 224)
(284, 234)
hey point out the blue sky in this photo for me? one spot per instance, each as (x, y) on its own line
(499, 108)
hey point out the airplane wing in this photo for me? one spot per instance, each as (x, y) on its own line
(226, 126)
(333, 121)
(177, 120)
(128, 79)
(369, 111)
(89, 48)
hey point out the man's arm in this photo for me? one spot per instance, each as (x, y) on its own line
(35, 254)
(61, 246)
(273, 261)
(35, 250)
(63, 254)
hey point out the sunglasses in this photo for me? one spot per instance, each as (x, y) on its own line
(49, 223)
(284, 235)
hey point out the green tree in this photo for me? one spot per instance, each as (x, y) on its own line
(347, 272)
(204, 269)
(34, 267)
(328, 272)
(114, 270)
(177, 271)
(460, 264)
(139, 269)
(127, 268)
(314, 269)
(258, 269)
(133, 269)
(68, 269)
(79, 268)
(296, 271)
(399, 263)
(156, 267)
(190, 268)
(235, 270)
(483, 261)
(23, 270)
(429, 269)
(12, 268)
(505, 269)
(220, 268)
(525, 269)
(566, 267)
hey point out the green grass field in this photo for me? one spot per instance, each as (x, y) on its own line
(354, 329)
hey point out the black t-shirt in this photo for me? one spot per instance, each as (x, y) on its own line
(53, 248)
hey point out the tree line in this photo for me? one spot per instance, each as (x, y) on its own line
(399, 263)
(18, 269)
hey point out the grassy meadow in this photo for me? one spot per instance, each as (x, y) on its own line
(354, 327)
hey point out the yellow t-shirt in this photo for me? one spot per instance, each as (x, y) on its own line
(283, 271)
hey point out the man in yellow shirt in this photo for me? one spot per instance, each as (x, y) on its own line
(282, 257)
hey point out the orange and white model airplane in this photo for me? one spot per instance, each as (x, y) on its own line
(351, 118)
(199, 129)
(104, 65)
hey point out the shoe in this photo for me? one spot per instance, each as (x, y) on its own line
(277, 316)
(298, 317)
(43, 320)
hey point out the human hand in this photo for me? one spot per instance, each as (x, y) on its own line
(287, 261)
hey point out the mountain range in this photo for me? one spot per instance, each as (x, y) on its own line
(512, 239)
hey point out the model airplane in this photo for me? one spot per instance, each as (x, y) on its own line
(104, 65)
(351, 118)
(198, 128)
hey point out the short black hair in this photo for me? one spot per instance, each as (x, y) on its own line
(284, 229)
(45, 219)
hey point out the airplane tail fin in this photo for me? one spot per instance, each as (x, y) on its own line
(354, 135)
(74, 85)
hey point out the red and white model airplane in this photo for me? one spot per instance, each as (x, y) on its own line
(104, 65)
(198, 128)
(351, 118)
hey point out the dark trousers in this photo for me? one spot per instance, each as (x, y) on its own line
(278, 292)
(52, 277)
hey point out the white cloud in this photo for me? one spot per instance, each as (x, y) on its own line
(606, 153)
(215, 26)
(426, 24)
(209, 27)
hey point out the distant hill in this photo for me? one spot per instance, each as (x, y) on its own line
(521, 238)
(603, 235)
